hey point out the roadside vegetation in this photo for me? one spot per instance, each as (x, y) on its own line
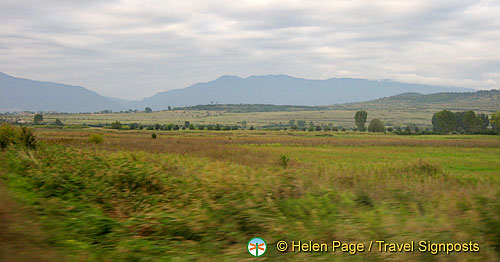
(201, 195)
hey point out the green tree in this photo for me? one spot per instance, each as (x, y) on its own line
(484, 121)
(444, 122)
(459, 117)
(376, 125)
(311, 126)
(495, 121)
(116, 125)
(148, 110)
(38, 118)
(360, 120)
(408, 130)
(58, 122)
(469, 122)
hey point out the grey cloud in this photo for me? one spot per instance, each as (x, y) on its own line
(133, 49)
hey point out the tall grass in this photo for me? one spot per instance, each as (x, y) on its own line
(188, 197)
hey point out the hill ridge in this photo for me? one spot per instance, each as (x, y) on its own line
(20, 94)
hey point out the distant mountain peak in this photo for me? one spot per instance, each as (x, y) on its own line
(228, 77)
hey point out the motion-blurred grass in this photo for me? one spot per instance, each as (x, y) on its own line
(203, 195)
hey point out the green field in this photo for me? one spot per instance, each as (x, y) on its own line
(200, 195)
(344, 118)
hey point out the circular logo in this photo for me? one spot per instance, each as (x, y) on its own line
(257, 247)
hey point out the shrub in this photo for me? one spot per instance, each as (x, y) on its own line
(27, 138)
(7, 135)
(116, 125)
(376, 125)
(153, 136)
(10, 135)
(96, 139)
(284, 161)
(58, 122)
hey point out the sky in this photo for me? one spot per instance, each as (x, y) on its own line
(134, 49)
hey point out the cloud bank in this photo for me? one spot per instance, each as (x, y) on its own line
(133, 49)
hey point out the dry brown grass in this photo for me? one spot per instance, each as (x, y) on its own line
(218, 148)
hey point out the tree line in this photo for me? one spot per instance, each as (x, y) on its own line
(468, 122)
(443, 122)
(169, 127)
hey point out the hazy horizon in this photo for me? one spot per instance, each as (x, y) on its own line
(133, 50)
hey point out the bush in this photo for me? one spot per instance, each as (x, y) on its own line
(284, 161)
(116, 125)
(7, 135)
(96, 139)
(10, 135)
(153, 136)
(376, 125)
(27, 138)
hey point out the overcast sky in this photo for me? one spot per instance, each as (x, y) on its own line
(133, 49)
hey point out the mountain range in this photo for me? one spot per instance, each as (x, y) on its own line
(18, 94)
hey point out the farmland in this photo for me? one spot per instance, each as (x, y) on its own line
(342, 118)
(201, 195)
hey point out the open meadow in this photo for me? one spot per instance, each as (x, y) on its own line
(337, 117)
(201, 195)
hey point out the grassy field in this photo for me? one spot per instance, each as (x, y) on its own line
(344, 118)
(200, 195)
